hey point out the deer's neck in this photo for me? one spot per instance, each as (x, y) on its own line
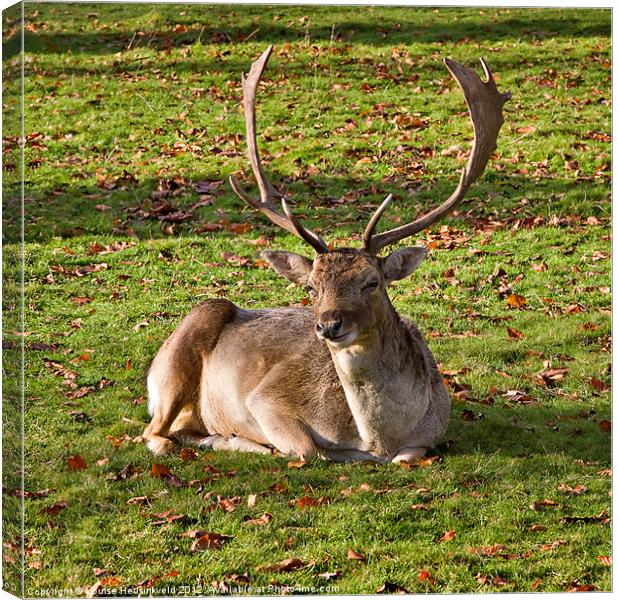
(385, 382)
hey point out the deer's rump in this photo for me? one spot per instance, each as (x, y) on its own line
(273, 353)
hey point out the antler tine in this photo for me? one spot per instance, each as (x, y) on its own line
(485, 104)
(267, 192)
(377, 215)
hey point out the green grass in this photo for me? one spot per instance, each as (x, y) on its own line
(120, 100)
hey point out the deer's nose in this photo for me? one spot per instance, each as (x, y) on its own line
(329, 324)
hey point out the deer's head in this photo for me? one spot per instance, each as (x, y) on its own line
(348, 286)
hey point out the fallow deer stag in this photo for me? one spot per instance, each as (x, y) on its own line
(348, 379)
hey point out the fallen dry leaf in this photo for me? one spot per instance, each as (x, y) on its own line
(308, 501)
(598, 385)
(76, 463)
(540, 504)
(296, 464)
(389, 587)
(159, 470)
(516, 301)
(354, 555)
(210, 541)
(567, 489)
(55, 508)
(265, 519)
(605, 560)
(514, 334)
(284, 566)
(188, 454)
(447, 536)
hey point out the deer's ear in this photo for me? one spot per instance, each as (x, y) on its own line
(293, 266)
(401, 263)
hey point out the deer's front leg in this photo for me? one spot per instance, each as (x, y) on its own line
(273, 410)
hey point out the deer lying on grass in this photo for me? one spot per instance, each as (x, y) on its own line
(347, 380)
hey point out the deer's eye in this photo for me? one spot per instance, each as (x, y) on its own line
(370, 286)
(311, 291)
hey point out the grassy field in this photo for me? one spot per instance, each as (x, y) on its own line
(132, 120)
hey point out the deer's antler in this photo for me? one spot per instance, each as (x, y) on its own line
(485, 104)
(266, 204)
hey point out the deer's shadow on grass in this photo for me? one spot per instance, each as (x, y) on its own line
(72, 212)
(527, 431)
(395, 26)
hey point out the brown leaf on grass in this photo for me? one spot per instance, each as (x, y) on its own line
(605, 473)
(308, 501)
(35, 494)
(97, 248)
(550, 376)
(145, 583)
(79, 300)
(514, 333)
(565, 488)
(600, 518)
(540, 267)
(167, 516)
(328, 576)
(60, 370)
(574, 309)
(389, 587)
(519, 397)
(605, 425)
(210, 541)
(235, 259)
(447, 536)
(552, 545)
(486, 550)
(55, 508)
(515, 301)
(188, 454)
(419, 507)
(296, 464)
(141, 500)
(80, 392)
(284, 566)
(598, 385)
(193, 533)
(354, 555)
(265, 519)
(162, 472)
(424, 575)
(76, 463)
(116, 442)
(575, 586)
(540, 504)
(277, 488)
(605, 560)
(127, 472)
(537, 527)
(536, 583)
(159, 470)
(85, 356)
(238, 228)
(228, 504)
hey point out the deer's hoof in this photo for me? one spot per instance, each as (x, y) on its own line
(161, 446)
